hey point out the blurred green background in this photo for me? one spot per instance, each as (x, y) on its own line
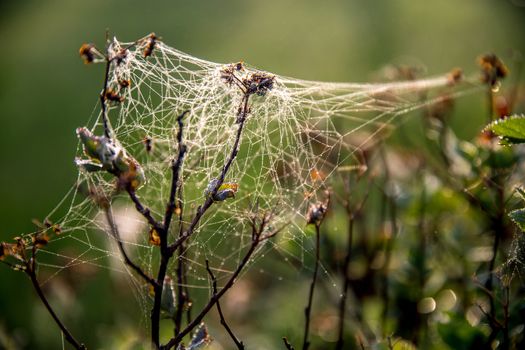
(46, 91)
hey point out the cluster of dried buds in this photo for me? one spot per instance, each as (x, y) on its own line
(104, 154)
(17, 250)
(258, 83)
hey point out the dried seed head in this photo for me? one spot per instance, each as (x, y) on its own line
(455, 76)
(259, 83)
(316, 213)
(112, 95)
(492, 69)
(40, 240)
(151, 41)
(88, 52)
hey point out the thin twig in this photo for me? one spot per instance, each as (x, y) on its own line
(127, 260)
(342, 304)
(165, 253)
(287, 344)
(238, 343)
(175, 168)
(144, 211)
(31, 272)
(103, 105)
(201, 210)
(256, 235)
(308, 309)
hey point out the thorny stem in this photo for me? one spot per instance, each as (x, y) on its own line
(238, 343)
(256, 239)
(31, 272)
(308, 309)
(127, 260)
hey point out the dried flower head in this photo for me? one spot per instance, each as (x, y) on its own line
(492, 68)
(455, 76)
(151, 42)
(259, 83)
(228, 72)
(112, 95)
(88, 52)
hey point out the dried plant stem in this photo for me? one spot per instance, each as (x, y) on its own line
(31, 272)
(238, 343)
(181, 272)
(165, 253)
(346, 282)
(146, 213)
(287, 344)
(103, 105)
(201, 210)
(114, 230)
(308, 309)
(181, 293)
(256, 239)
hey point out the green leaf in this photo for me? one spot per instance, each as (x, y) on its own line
(518, 216)
(511, 129)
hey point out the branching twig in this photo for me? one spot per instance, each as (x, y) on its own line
(127, 260)
(256, 239)
(144, 211)
(238, 343)
(209, 200)
(165, 253)
(175, 168)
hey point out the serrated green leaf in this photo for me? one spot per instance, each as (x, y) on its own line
(518, 216)
(511, 129)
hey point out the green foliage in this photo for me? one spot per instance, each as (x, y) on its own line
(511, 129)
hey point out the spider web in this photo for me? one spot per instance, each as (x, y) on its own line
(295, 138)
